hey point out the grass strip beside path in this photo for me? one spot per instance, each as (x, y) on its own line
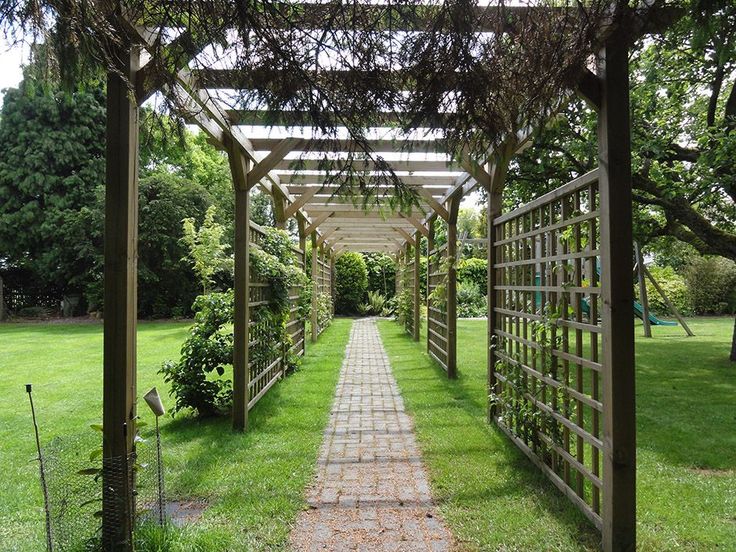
(494, 499)
(253, 482)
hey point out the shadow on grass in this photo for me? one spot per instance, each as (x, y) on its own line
(476, 471)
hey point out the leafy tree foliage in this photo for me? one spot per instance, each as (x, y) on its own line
(381, 273)
(206, 251)
(351, 282)
(51, 166)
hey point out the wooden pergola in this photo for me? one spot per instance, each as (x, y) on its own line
(301, 189)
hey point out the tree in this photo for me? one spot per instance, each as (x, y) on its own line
(51, 166)
(207, 253)
(683, 101)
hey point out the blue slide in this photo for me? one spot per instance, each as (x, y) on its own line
(639, 313)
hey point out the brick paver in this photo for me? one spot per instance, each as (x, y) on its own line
(371, 492)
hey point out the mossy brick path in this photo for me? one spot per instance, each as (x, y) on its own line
(371, 491)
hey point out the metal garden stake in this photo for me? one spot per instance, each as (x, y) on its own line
(153, 400)
(42, 469)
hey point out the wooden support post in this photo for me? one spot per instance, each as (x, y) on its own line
(495, 204)
(315, 286)
(417, 294)
(120, 297)
(279, 209)
(2, 300)
(642, 290)
(453, 209)
(619, 420)
(667, 302)
(332, 280)
(301, 225)
(241, 311)
(430, 247)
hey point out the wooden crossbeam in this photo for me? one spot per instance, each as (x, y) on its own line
(417, 224)
(326, 234)
(408, 165)
(303, 179)
(378, 145)
(408, 237)
(300, 202)
(316, 222)
(272, 160)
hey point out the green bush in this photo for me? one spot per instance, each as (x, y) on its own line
(34, 312)
(324, 309)
(673, 285)
(711, 282)
(351, 282)
(381, 273)
(198, 380)
(473, 270)
(471, 303)
(207, 351)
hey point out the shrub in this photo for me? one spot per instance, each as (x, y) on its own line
(471, 303)
(207, 350)
(33, 312)
(381, 273)
(197, 380)
(673, 285)
(351, 282)
(473, 270)
(711, 282)
(376, 301)
(324, 309)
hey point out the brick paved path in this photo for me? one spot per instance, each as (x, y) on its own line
(371, 491)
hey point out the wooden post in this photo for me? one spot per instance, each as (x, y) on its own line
(241, 310)
(417, 295)
(2, 300)
(332, 280)
(430, 247)
(279, 206)
(667, 302)
(453, 209)
(619, 420)
(301, 226)
(315, 286)
(642, 290)
(120, 297)
(495, 204)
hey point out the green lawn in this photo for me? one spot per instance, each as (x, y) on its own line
(254, 483)
(494, 499)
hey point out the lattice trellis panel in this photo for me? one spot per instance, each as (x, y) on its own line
(266, 354)
(323, 277)
(546, 374)
(438, 321)
(408, 267)
(297, 324)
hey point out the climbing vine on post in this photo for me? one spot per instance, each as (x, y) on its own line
(199, 380)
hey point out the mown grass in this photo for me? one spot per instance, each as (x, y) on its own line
(253, 483)
(494, 499)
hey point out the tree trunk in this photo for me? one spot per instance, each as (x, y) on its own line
(733, 342)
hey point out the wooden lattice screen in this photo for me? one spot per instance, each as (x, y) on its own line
(440, 323)
(322, 277)
(546, 376)
(267, 355)
(297, 324)
(408, 268)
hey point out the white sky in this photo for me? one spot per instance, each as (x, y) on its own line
(11, 60)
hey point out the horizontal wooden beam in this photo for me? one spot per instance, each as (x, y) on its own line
(316, 222)
(272, 160)
(378, 145)
(407, 165)
(303, 179)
